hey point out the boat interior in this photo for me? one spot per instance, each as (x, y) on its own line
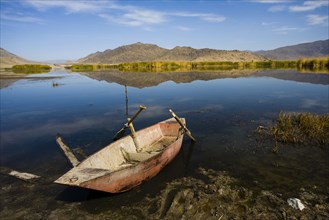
(125, 152)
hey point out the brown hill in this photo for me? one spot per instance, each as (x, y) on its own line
(140, 52)
(8, 59)
(129, 53)
(294, 52)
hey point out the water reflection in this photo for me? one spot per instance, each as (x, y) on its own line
(148, 79)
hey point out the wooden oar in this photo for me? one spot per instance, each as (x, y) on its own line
(120, 133)
(187, 131)
(67, 151)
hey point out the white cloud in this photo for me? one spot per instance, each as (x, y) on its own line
(277, 8)
(317, 19)
(136, 17)
(21, 18)
(269, 23)
(286, 30)
(182, 28)
(69, 6)
(121, 14)
(309, 6)
(213, 18)
(144, 16)
(203, 16)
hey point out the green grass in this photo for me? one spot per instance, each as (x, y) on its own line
(31, 68)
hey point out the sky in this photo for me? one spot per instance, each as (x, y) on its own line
(43, 30)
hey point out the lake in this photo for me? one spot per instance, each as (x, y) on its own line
(222, 109)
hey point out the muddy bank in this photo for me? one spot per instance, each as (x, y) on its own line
(210, 195)
(216, 195)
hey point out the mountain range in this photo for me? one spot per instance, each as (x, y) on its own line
(140, 52)
(313, 49)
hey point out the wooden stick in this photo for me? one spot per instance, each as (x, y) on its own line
(67, 151)
(121, 132)
(133, 134)
(187, 131)
(141, 108)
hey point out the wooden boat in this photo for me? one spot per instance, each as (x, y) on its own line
(129, 161)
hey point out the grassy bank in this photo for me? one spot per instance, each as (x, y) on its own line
(30, 68)
(318, 64)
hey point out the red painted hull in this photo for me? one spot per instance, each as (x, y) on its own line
(128, 178)
(93, 175)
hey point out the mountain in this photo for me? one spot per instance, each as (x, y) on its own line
(140, 52)
(8, 59)
(305, 50)
(128, 53)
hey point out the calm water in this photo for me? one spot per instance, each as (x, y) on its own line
(222, 111)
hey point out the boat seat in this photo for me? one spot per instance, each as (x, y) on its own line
(159, 145)
(147, 151)
(132, 157)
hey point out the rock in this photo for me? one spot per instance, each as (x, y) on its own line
(295, 203)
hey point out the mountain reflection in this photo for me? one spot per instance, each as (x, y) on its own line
(149, 79)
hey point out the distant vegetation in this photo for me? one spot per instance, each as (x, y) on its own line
(316, 64)
(31, 68)
(90, 67)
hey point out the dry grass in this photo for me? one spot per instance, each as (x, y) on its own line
(300, 128)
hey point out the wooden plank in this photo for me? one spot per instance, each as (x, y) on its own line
(67, 151)
(19, 175)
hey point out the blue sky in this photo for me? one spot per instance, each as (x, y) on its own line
(66, 29)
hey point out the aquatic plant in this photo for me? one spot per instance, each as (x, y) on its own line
(300, 128)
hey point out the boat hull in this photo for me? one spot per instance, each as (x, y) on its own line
(130, 177)
(109, 170)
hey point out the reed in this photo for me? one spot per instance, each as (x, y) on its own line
(313, 65)
(319, 64)
(191, 66)
(90, 67)
(300, 128)
(31, 68)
